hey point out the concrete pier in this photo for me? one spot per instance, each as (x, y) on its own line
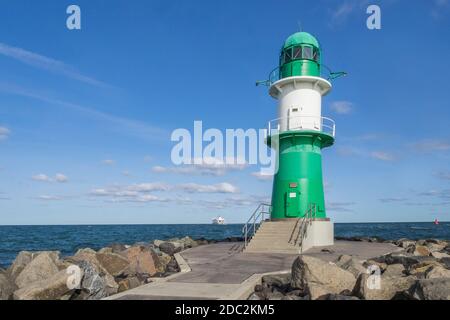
(222, 271)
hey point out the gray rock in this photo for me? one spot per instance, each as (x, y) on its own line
(7, 286)
(41, 267)
(93, 286)
(277, 280)
(188, 242)
(339, 297)
(404, 258)
(390, 287)
(117, 247)
(309, 270)
(437, 272)
(292, 297)
(445, 262)
(114, 263)
(254, 296)
(170, 248)
(350, 264)
(440, 255)
(22, 259)
(405, 243)
(53, 288)
(431, 289)
(394, 270)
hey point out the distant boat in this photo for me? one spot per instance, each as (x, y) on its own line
(218, 220)
(436, 221)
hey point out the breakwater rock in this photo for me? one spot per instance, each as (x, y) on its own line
(90, 274)
(419, 270)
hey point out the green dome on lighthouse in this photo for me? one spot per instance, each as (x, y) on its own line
(300, 56)
(301, 38)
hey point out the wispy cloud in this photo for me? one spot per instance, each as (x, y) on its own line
(261, 176)
(129, 126)
(109, 162)
(4, 133)
(49, 198)
(47, 64)
(431, 145)
(439, 8)
(340, 206)
(441, 194)
(59, 177)
(342, 107)
(215, 188)
(205, 167)
(382, 155)
(393, 199)
(444, 175)
(151, 192)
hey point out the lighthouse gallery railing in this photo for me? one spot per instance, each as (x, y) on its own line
(254, 222)
(299, 123)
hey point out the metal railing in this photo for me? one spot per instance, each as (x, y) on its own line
(304, 223)
(255, 221)
(325, 73)
(299, 123)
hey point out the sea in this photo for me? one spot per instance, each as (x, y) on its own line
(68, 239)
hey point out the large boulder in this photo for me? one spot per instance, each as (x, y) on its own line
(141, 260)
(437, 272)
(422, 251)
(171, 247)
(21, 261)
(394, 270)
(129, 283)
(87, 258)
(7, 286)
(431, 289)
(53, 288)
(440, 255)
(309, 270)
(405, 243)
(41, 267)
(389, 287)
(404, 258)
(188, 242)
(94, 285)
(114, 263)
(350, 264)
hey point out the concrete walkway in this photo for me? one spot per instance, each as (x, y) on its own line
(222, 271)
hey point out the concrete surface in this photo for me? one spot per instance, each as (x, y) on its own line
(222, 271)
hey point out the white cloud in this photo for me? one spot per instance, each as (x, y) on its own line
(49, 198)
(205, 167)
(46, 63)
(4, 133)
(61, 178)
(109, 162)
(383, 156)
(216, 188)
(342, 107)
(261, 176)
(41, 177)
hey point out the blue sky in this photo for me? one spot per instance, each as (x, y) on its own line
(86, 115)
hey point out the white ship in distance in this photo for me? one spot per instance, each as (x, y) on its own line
(218, 220)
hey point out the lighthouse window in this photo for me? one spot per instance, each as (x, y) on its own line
(297, 53)
(307, 53)
(288, 55)
(316, 54)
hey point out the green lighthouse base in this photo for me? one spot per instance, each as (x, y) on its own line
(298, 183)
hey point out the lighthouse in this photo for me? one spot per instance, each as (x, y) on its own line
(301, 132)
(298, 219)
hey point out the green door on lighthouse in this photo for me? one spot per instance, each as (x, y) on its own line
(292, 201)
